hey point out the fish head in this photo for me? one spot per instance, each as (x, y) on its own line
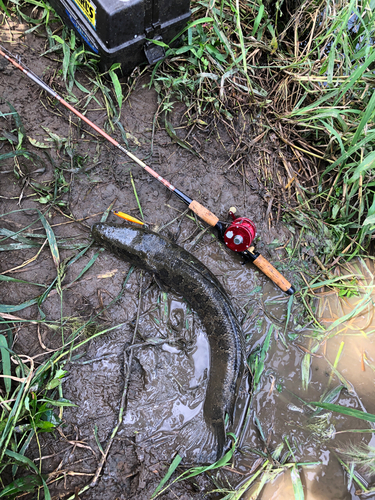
(134, 244)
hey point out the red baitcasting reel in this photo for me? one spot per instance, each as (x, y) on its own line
(240, 234)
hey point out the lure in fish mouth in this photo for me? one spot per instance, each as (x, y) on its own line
(185, 274)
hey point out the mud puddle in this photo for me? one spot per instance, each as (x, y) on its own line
(341, 365)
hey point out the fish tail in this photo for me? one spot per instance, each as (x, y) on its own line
(201, 442)
(219, 433)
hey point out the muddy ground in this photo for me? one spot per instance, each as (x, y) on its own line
(167, 381)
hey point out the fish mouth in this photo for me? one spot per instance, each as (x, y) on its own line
(98, 232)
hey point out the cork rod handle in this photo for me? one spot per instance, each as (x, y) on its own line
(273, 274)
(204, 213)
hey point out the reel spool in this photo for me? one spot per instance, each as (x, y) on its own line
(240, 234)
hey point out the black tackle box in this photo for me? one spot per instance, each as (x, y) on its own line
(119, 30)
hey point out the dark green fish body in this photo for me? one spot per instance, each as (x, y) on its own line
(185, 274)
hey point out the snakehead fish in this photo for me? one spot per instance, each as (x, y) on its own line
(180, 271)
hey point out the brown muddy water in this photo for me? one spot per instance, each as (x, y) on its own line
(171, 357)
(321, 438)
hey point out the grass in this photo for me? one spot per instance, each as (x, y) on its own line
(362, 456)
(28, 407)
(267, 471)
(312, 80)
(31, 398)
(32, 389)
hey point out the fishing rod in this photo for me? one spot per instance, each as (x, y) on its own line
(237, 236)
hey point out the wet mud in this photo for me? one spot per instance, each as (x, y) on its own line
(170, 358)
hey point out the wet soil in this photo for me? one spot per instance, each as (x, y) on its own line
(171, 360)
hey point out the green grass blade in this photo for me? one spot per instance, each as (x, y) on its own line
(51, 240)
(6, 364)
(9, 308)
(331, 281)
(203, 20)
(260, 428)
(329, 397)
(365, 118)
(342, 379)
(351, 412)
(19, 125)
(16, 246)
(297, 484)
(336, 134)
(3, 7)
(172, 134)
(262, 356)
(107, 212)
(22, 459)
(220, 34)
(370, 137)
(58, 402)
(18, 152)
(116, 84)
(288, 311)
(27, 462)
(242, 45)
(311, 107)
(136, 195)
(367, 164)
(263, 472)
(355, 311)
(47, 495)
(366, 431)
(89, 264)
(222, 462)
(97, 439)
(257, 20)
(10, 423)
(355, 76)
(23, 484)
(338, 355)
(81, 87)
(175, 463)
(9, 334)
(305, 371)
(79, 255)
(370, 220)
(66, 59)
(15, 280)
(195, 471)
(22, 451)
(16, 236)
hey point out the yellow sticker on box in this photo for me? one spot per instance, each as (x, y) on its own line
(89, 10)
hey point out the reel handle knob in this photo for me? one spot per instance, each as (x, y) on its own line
(232, 212)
